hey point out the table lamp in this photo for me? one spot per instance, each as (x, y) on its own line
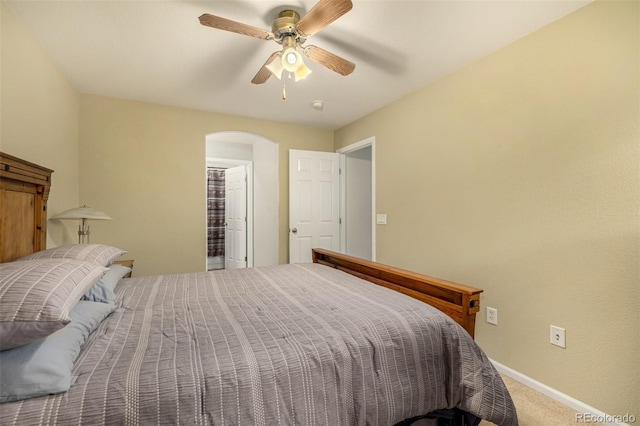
(83, 213)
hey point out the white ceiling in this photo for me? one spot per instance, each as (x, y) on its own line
(157, 51)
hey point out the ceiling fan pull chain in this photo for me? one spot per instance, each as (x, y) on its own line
(284, 92)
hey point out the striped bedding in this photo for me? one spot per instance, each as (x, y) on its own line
(297, 344)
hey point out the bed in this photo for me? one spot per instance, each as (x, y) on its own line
(334, 342)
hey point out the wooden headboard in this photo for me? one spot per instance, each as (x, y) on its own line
(461, 302)
(24, 190)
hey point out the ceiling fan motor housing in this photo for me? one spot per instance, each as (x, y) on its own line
(285, 26)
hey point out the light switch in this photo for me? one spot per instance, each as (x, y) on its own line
(381, 219)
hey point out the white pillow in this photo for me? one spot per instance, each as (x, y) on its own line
(97, 253)
(36, 296)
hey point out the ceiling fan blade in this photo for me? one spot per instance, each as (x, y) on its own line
(263, 74)
(233, 26)
(329, 60)
(322, 14)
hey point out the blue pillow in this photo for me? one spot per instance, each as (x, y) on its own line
(44, 367)
(103, 290)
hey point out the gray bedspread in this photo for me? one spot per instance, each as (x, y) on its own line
(287, 345)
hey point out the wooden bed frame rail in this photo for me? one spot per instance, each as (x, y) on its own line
(459, 301)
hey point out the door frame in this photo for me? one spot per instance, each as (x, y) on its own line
(226, 163)
(365, 143)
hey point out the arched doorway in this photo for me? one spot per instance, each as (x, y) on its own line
(262, 217)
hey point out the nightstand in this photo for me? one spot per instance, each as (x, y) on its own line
(128, 263)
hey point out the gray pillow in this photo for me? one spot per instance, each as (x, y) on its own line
(44, 367)
(36, 296)
(103, 290)
(97, 253)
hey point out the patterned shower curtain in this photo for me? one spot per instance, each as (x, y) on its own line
(215, 212)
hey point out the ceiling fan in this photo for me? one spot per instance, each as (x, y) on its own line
(291, 31)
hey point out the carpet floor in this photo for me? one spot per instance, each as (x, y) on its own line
(536, 409)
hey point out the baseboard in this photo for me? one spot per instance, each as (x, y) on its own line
(580, 407)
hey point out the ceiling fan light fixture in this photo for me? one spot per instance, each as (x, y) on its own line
(302, 72)
(291, 59)
(276, 67)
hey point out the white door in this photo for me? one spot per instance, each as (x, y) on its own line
(314, 203)
(235, 244)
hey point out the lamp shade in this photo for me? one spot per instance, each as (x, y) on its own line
(276, 67)
(83, 212)
(302, 72)
(291, 59)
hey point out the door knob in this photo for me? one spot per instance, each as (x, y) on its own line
(294, 230)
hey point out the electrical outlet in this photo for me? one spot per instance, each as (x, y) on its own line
(492, 316)
(557, 336)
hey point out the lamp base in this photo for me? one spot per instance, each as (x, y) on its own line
(83, 233)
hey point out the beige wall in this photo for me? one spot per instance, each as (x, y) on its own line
(39, 115)
(519, 175)
(144, 165)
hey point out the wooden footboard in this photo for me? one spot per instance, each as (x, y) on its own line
(459, 301)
